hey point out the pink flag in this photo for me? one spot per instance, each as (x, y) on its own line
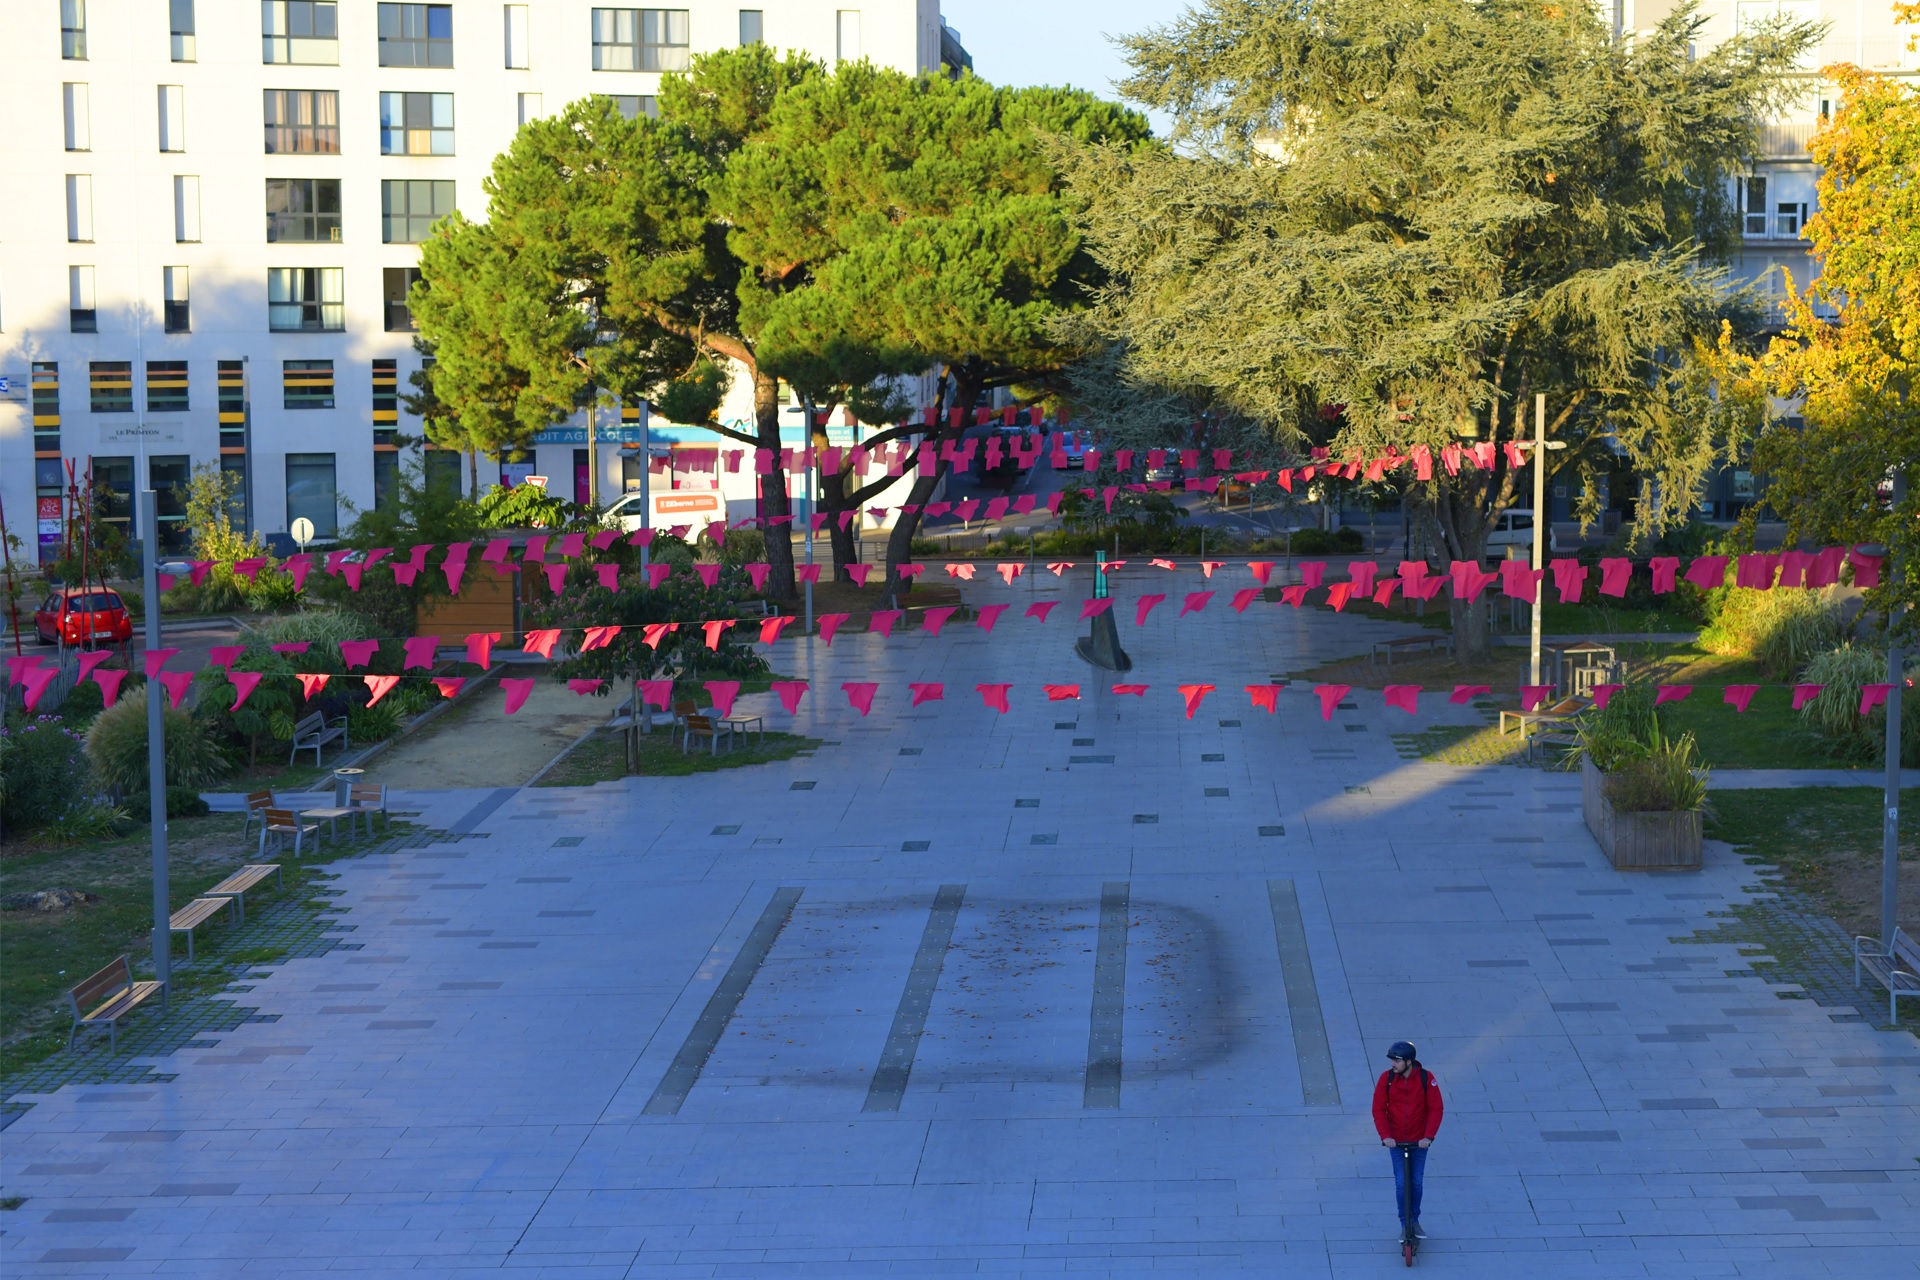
(1338, 594)
(1404, 696)
(540, 642)
(1059, 566)
(1208, 566)
(91, 658)
(220, 655)
(1295, 595)
(1738, 696)
(357, 653)
(640, 538)
(788, 691)
(757, 574)
(517, 691)
(805, 573)
(198, 573)
(535, 550)
(571, 543)
(1672, 692)
(1465, 693)
(380, 686)
(603, 539)
(994, 696)
(157, 660)
(1664, 568)
(1244, 597)
(990, 614)
(556, 576)
(1194, 694)
(334, 560)
(176, 684)
(723, 692)
(859, 572)
(248, 567)
(652, 633)
(1708, 572)
(911, 570)
(404, 574)
(860, 694)
(1040, 609)
(1262, 570)
(1194, 603)
(419, 651)
(1532, 695)
(311, 683)
(1144, 606)
(480, 648)
(770, 629)
(1265, 696)
(882, 621)
(598, 638)
(1062, 692)
(933, 619)
(709, 574)
(830, 623)
(1518, 581)
(1614, 572)
(38, 679)
(1362, 573)
(1866, 570)
(962, 571)
(1330, 695)
(713, 627)
(1805, 693)
(353, 573)
(298, 567)
(1384, 596)
(1009, 571)
(927, 693)
(1603, 692)
(1569, 579)
(655, 693)
(1872, 695)
(449, 686)
(20, 663)
(496, 552)
(291, 647)
(455, 570)
(1755, 572)
(1094, 608)
(1162, 564)
(109, 682)
(1311, 572)
(1793, 568)
(1137, 690)
(656, 574)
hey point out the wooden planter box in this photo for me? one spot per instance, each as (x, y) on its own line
(1639, 841)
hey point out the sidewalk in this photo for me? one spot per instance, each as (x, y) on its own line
(1752, 779)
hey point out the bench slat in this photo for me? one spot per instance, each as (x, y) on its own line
(196, 912)
(114, 977)
(123, 1003)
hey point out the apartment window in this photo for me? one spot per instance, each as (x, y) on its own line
(73, 99)
(306, 300)
(394, 284)
(166, 386)
(168, 476)
(306, 384)
(442, 471)
(73, 30)
(173, 117)
(300, 32)
(180, 27)
(113, 481)
(409, 206)
(518, 54)
(635, 105)
(847, 34)
(1755, 205)
(81, 316)
(641, 40)
(303, 210)
(752, 26)
(311, 493)
(176, 303)
(416, 124)
(79, 207)
(1788, 219)
(386, 400)
(186, 208)
(530, 107)
(231, 404)
(46, 412)
(386, 477)
(110, 386)
(416, 35)
(303, 122)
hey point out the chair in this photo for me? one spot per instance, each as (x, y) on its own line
(699, 726)
(280, 822)
(368, 798)
(257, 804)
(681, 710)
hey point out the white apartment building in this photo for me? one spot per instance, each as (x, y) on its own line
(211, 213)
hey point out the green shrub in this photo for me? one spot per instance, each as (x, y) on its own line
(1781, 630)
(117, 746)
(324, 629)
(1834, 713)
(91, 820)
(182, 802)
(221, 591)
(376, 723)
(272, 592)
(1319, 542)
(1665, 778)
(43, 772)
(83, 702)
(744, 546)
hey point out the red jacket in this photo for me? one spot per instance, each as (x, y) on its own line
(1407, 1108)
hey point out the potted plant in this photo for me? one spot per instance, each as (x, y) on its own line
(1643, 793)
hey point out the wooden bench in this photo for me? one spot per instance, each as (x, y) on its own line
(195, 914)
(1560, 712)
(1431, 643)
(283, 822)
(314, 732)
(107, 997)
(1898, 971)
(236, 885)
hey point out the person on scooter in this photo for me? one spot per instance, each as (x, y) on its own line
(1406, 1111)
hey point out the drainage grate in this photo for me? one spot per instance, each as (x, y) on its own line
(1216, 792)
(564, 842)
(1355, 728)
(1229, 724)
(910, 751)
(1026, 804)
(1359, 791)
(1274, 830)
(1083, 742)
(1044, 837)
(1146, 819)
(1213, 757)
(915, 846)
(730, 829)
(1066, 724)
(802, 786)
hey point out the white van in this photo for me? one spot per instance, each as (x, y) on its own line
(1515, 530)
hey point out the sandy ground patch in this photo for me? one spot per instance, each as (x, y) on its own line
(474, 745)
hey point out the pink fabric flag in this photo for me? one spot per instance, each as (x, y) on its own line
(1113, 565)
(495, 553)
(1362, 573)
(882, 621)
(933, 619)
(1144, 606)
(1410, 572)
(1825, 569)
(1465, 693)
(298, 567)
(556, 576)
(1517, 581)
(652, 633)
(455, 570)
(657, 574)
(89, 659)
(176, 684)
(1262, 570)
(248, 567)
(1872, 695)
(1532, 695)
(353, 573)
(713, 627)
(860, 694)
(1158, 563)
(480, 648)
(334, 560)
(964, 572)
(109, 682)
(540, 642)
(380, 686)
(789, 692)
(1094, 608)
(804, 573)
(517, 691)
(1244, 597)
(757, 574)
(1738, 696)
(1755, 572)
(449, 686)
(1672, 692)
(966, 508)
(1404, 696)
(311, 683)
(535, 550)
(927, 693)
(723, 692)
(609, 575)
(603, 539)
(1707, 572)
(911, 570)
(829, 623)
(1793, 568)
(1614, 572)
(598, 638)
(655, 693)
(994, 696)
(1059, 566)
(419, 651)
(1384, 596)
(157, 659)
(1330, 695)
(201, 568)
(640, 538)
(1194, 603)
(709, 574)
(1664, 568)
(20, 663)
(997, 507)
(357, 653)
(1008, 571)
(1338, 595)
(1295, 595)
(571, 543)
(1603, 692)
(1062, 692)
(990, 614)
(1208, 566)
(1040, 609)
(1866, 569)
(1265, 697)
(859, 572)
(1137, 690)
(404, 574)
(38, 680)
(1194, 694)
(770, 629)
(1311, 572)
(1569, 579)
(220, 655)
(291, 648)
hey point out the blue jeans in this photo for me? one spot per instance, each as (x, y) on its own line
(1419, 1155)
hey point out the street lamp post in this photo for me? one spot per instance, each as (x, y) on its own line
(1897, 677)
(1540, 447)
(156, 739)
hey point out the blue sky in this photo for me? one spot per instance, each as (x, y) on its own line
(1028, 42)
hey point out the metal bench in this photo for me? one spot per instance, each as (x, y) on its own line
(236, 885)
(1431, 643)
(195, 914)
(314, 732)
(107, 997)
(1897, 970)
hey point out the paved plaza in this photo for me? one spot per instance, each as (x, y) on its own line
(1085, 988)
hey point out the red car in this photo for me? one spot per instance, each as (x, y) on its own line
(82, 616)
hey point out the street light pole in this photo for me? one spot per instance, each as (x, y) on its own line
(1540, 447)
(1896, 676)
(156, 738)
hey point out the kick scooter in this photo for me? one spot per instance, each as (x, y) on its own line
(1409, 1243)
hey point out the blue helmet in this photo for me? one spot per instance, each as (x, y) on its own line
(1403, 1049)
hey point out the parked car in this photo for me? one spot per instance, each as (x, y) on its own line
(81, 617)
(1516, 530)
(1074, 445)
(1170, 469)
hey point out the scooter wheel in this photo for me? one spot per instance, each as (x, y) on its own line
(1407, 1249)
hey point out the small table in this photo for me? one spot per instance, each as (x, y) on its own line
(739, 724)
(332, 818)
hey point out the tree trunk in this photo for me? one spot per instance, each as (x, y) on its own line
(840, 535)
(1463, 529)
(966, 386)
(774, 501)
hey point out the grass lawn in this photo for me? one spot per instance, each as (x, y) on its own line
(602, 757)
(1827, 843)
(1768, 735)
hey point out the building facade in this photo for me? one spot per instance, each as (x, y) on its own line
(213, 210)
